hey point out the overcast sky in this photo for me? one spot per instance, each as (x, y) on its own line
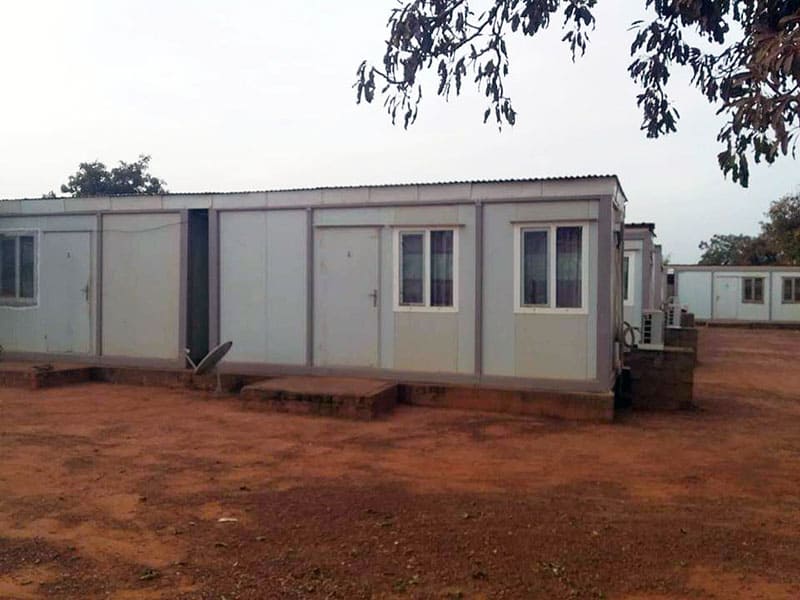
(238, 95)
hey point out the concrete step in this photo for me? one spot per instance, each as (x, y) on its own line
(344, 397)
(40, 375)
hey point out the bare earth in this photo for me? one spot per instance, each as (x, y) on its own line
(113, 491)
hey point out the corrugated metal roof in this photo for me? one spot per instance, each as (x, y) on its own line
(353, 187)
(650, 226)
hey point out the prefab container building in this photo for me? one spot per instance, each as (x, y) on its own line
(753, 294)
(505, 282)
(643, 272)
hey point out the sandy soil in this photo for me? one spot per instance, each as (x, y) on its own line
(117, 492)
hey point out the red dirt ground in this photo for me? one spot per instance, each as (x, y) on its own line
(116, 492)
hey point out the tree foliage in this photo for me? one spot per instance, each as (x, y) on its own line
(747, 62)
(732, 249)
(782, 228)
(94, 179)
(778, 242)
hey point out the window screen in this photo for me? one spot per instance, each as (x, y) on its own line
(535, 267)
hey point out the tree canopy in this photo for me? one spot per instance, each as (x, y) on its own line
(94, 179)
(778, 242)
(747, 62)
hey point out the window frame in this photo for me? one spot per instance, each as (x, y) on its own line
(753, 300)
(794, 287)
(17, 301)
(425, 307)
(552, 228)
(631, 289)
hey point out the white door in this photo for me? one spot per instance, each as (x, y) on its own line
(66, 291)
(726, 297)
(346, 296)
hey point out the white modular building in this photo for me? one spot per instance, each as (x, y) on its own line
(739, 293)
(490, 282)
(643, 276)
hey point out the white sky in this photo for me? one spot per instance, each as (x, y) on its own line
(237, 95)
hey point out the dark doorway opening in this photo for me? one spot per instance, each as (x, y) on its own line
(197, 337)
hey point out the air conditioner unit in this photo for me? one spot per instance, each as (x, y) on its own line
(673, 313)
(652, 333)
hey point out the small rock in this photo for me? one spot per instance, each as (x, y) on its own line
(149, 574)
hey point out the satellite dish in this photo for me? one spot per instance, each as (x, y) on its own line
(210, 361)
(212, 358)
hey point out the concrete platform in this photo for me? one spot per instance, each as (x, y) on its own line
(42, 375)
(329, 396)
(577, 406)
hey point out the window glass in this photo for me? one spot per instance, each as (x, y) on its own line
(626, 265)
(412, 262)
(758, 290)
(534, 268)
(442, 268)
(26, 265)
(797, 289)
(747, 291)
(787, 289)
(8, 267)
(568, 267)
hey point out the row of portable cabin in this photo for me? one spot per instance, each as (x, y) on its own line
(512, 282)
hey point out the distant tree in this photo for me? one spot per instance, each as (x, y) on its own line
(782, 228)
(745, 60)
(732, 249)
(778, 242)
(94, 179)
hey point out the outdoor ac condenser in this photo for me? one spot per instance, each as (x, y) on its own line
(673, 313)
(652, 333)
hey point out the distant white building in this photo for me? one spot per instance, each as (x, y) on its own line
(757, 293)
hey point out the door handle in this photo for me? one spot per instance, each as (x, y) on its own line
(85, 290)
(374, 296)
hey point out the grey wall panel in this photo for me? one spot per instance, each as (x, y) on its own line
(286, 287)
(141, 285)
(387, 314)
(780, 311)
(694, 290)
(591, 325)
(498, 292)
(534, 345)
(426, 342)
(466, 295)
(243, 284)
(552, 346)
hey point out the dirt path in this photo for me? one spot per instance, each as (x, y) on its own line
(116, 492)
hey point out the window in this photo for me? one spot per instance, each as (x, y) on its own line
(791, 290)
(550, 268)
(753, 290)
(425, 270)
(628, 278)
(17, 269)
(534, 275)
